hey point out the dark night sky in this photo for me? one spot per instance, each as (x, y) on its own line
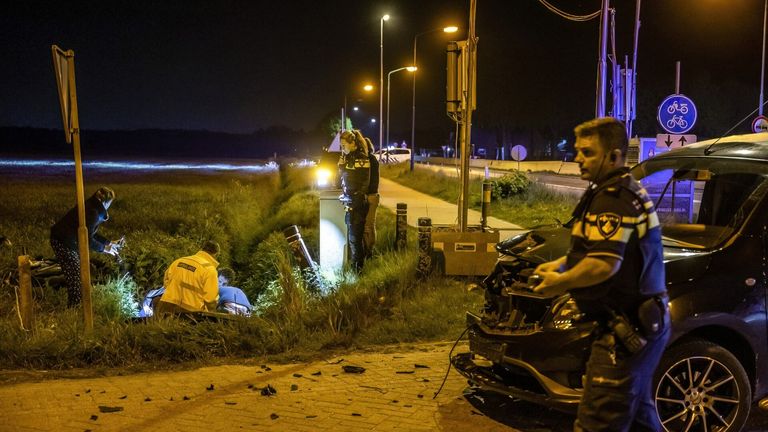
(237, 65)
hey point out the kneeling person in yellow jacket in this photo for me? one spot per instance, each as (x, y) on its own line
(192, 283)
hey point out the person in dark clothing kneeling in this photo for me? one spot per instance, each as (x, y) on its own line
(64, 240)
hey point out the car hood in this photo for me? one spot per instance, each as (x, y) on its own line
(548, 243)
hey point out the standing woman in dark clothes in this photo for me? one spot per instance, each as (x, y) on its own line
(354, 170)
(369, 235)
(64, 239)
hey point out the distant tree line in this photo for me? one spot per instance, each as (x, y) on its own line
(262, 143)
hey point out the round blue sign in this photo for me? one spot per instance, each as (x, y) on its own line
(677, 114)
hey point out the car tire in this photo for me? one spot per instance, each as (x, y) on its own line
(718, 397)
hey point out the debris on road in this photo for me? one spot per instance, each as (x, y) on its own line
(109, 409)
(353, 369)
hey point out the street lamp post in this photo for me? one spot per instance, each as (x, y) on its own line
(762, 68)
(381, 76)
(449, 29)
(409, 69)
(344, 113)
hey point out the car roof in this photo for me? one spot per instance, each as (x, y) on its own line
(748, 146)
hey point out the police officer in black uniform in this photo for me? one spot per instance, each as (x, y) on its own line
(373, 200)
(615, 273)
(354, 171)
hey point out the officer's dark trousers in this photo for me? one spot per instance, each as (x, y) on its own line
(617, 391)
(355, 219)
(69, 260)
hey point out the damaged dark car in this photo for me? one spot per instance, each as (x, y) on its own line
(712, 201)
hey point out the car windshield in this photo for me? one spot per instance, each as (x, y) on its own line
(702, 201)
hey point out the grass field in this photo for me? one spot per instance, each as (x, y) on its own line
(167, 214)
(537, 205)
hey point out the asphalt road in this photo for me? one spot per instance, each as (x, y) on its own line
(528, 417)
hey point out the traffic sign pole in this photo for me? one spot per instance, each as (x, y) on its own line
(760, 124)
(677, 114)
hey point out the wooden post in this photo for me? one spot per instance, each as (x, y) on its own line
(425, 246)
(25, 292)
(64, 67)
(401, 226)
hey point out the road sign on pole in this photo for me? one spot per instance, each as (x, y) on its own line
(666, 142)
(677, 114)
(64, 68)
(760, 124)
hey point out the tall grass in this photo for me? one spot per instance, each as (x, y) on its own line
(537, 205)
(167, 215)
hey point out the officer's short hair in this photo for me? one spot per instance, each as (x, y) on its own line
(211, 247)
(610, 132)
(105, 194)
(227, 273)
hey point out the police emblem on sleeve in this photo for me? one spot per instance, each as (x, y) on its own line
(608, 224)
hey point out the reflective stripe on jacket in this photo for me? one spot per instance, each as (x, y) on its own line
(192, 283)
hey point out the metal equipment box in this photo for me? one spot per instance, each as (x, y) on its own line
(471, 253)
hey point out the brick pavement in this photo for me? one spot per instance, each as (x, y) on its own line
(392, 394)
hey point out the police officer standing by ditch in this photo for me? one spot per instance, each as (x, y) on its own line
(354, 170)
(615, 273)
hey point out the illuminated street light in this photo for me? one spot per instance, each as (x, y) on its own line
(409, 69)
(381, 74)
(449, 29)
(367, 88)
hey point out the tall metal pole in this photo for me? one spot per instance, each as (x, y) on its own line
(601, 63)
(633, 91)
(389, 75)
(449, 29)
(467, 115)
(381, 80)
(762, 69)
(413, 107)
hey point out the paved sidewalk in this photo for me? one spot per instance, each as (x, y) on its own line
(441, 212)
(394, 393)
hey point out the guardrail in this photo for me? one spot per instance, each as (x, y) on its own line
(533, 166)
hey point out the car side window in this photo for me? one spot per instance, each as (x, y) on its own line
(701, 205)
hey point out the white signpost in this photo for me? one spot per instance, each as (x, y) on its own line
(760, 124)
(680, 205)
(518, 153)
(666, 142)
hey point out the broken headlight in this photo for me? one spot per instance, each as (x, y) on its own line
(565, 313)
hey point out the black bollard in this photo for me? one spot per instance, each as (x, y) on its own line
(401, 226)
(486, 207)
(425, 247)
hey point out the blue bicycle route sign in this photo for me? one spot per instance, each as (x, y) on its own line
(677, 114)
